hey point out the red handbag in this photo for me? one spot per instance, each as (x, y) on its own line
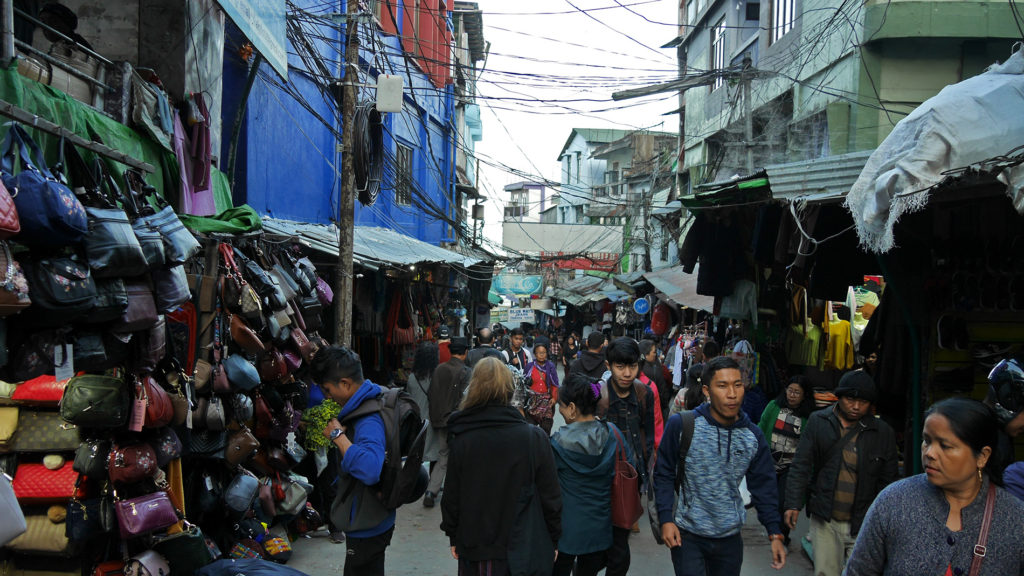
(302, 344)
(43, 390)
(109, 568)
(10, 224)
(130, 464)
(159, 409)
(273, 367)
(36, 484)
(626, 506)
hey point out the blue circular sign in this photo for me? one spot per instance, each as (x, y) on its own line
(641, 306)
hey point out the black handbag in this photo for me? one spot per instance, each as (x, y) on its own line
(170, 288)
(63, 290)
(111, 301)
(90, 353)
(91, 518)
(111, 246)
(141, 313)
(207, 443)
(150, 346)
(91, 458)
(310, 308)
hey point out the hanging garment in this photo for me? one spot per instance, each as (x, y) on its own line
(193, 200)
(839, 351)
(804, 348)
(742, 303)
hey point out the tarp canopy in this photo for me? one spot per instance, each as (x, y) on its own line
(966, 123)
(680, 287)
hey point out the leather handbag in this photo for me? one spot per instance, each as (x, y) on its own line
(95, 401)
(159, 411)
(626, 506)
(90, 353)
(244, 336)
(285, 281)
(273, 367)
(239, 297)
(43, 390)
(152, 244)
(14, 519)
(110, 303)
(150, 346)
(10, 225)
(324, 292)
(111, 247)
(241, 408)
(203, 373)
(42, 536)
(292, 360)
(35, 484)
(131, 464)
(179, 243)
(9, 424)
(310, 308)
(241, 373)
(90, 518)
(188, 550)
(170, 288)
(241, 493)
(241, 445)
(266, 497)
(207, 443)
(48, 211)
(63, 290)
(145, 514)
(13, 284)
(295, 497)
(167, 446)
(91, 458)
(141, 313)
(256, 275)
(209, 414)
(302, 345)
(44, 431)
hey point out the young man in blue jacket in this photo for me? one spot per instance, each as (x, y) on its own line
(702, 527)
(356, 510)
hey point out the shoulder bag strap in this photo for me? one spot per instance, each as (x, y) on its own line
(979, 548)
(837, 448)
(30, 152)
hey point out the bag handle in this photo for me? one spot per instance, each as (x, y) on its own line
(979, 548)
(31, 152)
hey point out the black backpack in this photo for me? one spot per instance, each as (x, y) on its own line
(402, 480)
(685, 437)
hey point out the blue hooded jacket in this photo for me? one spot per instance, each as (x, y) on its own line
(718, 459)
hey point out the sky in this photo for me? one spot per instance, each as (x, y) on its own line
(552, 66)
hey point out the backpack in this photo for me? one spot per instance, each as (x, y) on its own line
(405, 435)
(685, 437)
(642, 392)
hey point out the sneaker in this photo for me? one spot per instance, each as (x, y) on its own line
(337, 537)
(428, 500)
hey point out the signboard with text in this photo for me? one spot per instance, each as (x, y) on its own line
(521, 315)
(517, 284)
(263, 23)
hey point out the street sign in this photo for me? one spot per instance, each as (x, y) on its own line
(520, 315)
(641, 306)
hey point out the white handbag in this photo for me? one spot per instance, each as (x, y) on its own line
(14, 520)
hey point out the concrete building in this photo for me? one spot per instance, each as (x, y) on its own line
(581, 171)
(526, 202)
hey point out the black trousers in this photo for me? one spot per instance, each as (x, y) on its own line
(365, 556)
(586, 564)
(618, 554)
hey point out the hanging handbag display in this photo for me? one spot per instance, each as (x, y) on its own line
(159, 411)
(310, 308)
(150, 346)
(111, 246)
(170, 288)
(245, 336)
(166, 446)
(44, 431)
(241, 445)
(110, 303)
(43, 390)
(13, 285)
(324, 292)
(144, 514)
(90, 518)
(273, 368)
(207, 443)
(241, 493)
(9, 223)
(238, 296)
(626, 506)
(179, 243)
(35, 484)
(14, 520)
(41, 536)
(48, 211)
(303, 345)
(131, 464)
(95, 401)
(241, 373)
(141, 313)
(209, 414)
(8, 426)
(189, 550)
(91, 458)
(63, 290)
(241, 408)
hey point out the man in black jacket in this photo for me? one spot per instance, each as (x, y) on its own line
(446, 388)
(484, 348)
(592, 361)
(845, 457)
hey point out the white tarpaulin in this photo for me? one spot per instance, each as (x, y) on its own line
(974, 120)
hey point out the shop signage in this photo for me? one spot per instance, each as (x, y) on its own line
(499, 315)
(541, 304)
(517, 284)
(641, 306)
(520, 315)
(263, 23)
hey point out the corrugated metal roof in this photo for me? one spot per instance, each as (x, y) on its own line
(680, 287)
(585, 289)
(371, 246)
(819, 180)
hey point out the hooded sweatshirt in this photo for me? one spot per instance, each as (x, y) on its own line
(361, 514)
(718, 459)
(589, 363)
(585, 455)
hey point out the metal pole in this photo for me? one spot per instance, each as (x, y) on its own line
(346, 218)
(748, 114)
(7, 47)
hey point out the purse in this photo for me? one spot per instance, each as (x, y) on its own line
(159, 411)
(111, 247)
(91, 458)
(145, 514)
(44, 431)
(166, 446)
(241, 445)
(13, 284)
(170, 288)
(110, 303)
(63, 290)
(241, 494)
(203, 372)
(131, 464)
(626, 506)
(241, 373)
(207, 443)
(241, 408)
(150, 346)
(244, 336)
(179, 243)
(238, 296)
(188, 549)
(43, 390)
(209, 414)
(90, 518)
(295, 497)
(141, 313)
(95, 401)
(302, 345)
(324, 292)
(14, 519)
(48, 211)
(273, 367)
(35, 484)
(9, 424)
(41, 536)
(310, 309)
(10, 225)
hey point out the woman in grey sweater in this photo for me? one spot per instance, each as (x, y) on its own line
(930, 523)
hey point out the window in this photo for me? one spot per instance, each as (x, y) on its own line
(783, 16)
(579, 164)
(691, 12)
(753, 11)
(718, 51)
(403, 177)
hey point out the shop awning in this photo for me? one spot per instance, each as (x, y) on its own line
(680, 287)
(826, 179)
(585, 289)
(739, 191)
(371, 246)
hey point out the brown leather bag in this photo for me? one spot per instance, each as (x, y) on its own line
(302, 344)
(159, 409)
(241, 445)
(273, 368)
(245, 336)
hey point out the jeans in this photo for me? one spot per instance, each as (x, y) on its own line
(700, 556)
(618, 554)
(586, 564)
(832, 545)
(365, 556)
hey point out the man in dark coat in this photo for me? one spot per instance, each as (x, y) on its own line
(484, 348)
(591, 362)
(446, 389)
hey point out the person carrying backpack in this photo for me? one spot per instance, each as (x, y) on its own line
(697, 476)
(357, 510)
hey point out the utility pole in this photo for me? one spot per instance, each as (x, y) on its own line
(343, 288)
(748, 113)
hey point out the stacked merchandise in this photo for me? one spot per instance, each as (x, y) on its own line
(147, 413)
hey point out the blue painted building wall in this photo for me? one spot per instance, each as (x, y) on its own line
(288, 164)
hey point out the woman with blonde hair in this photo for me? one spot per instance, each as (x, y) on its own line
(499, 466)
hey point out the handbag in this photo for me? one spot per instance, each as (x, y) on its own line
(273, 367)
(110, 303)
(95, 401)
(14, 519)
(35, 484)
(8, 425)
(170, 288)
(131, 464)
(530, 549)
(241, 373)
(239, 297)
(244, 336)
(63, 290)
(207, 443)
(91, 458)
(10, 225)
(188, 549)
(203, 372)
(159, 411)
(141, 313)
(150, 346)
(179, 243)
(13, 284)
(324, 292)
(302, 345)
(295, 495)
(310, 309)
(48, 211)
(43, 390)
(209, 414)
(90, 518)
(44, 431)
(111, 247)
(626, 505)
(241, 493)
(90, 353)
(166, 446)
(241, 445)
(241, 408)
(144, 514)
(41, 536)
